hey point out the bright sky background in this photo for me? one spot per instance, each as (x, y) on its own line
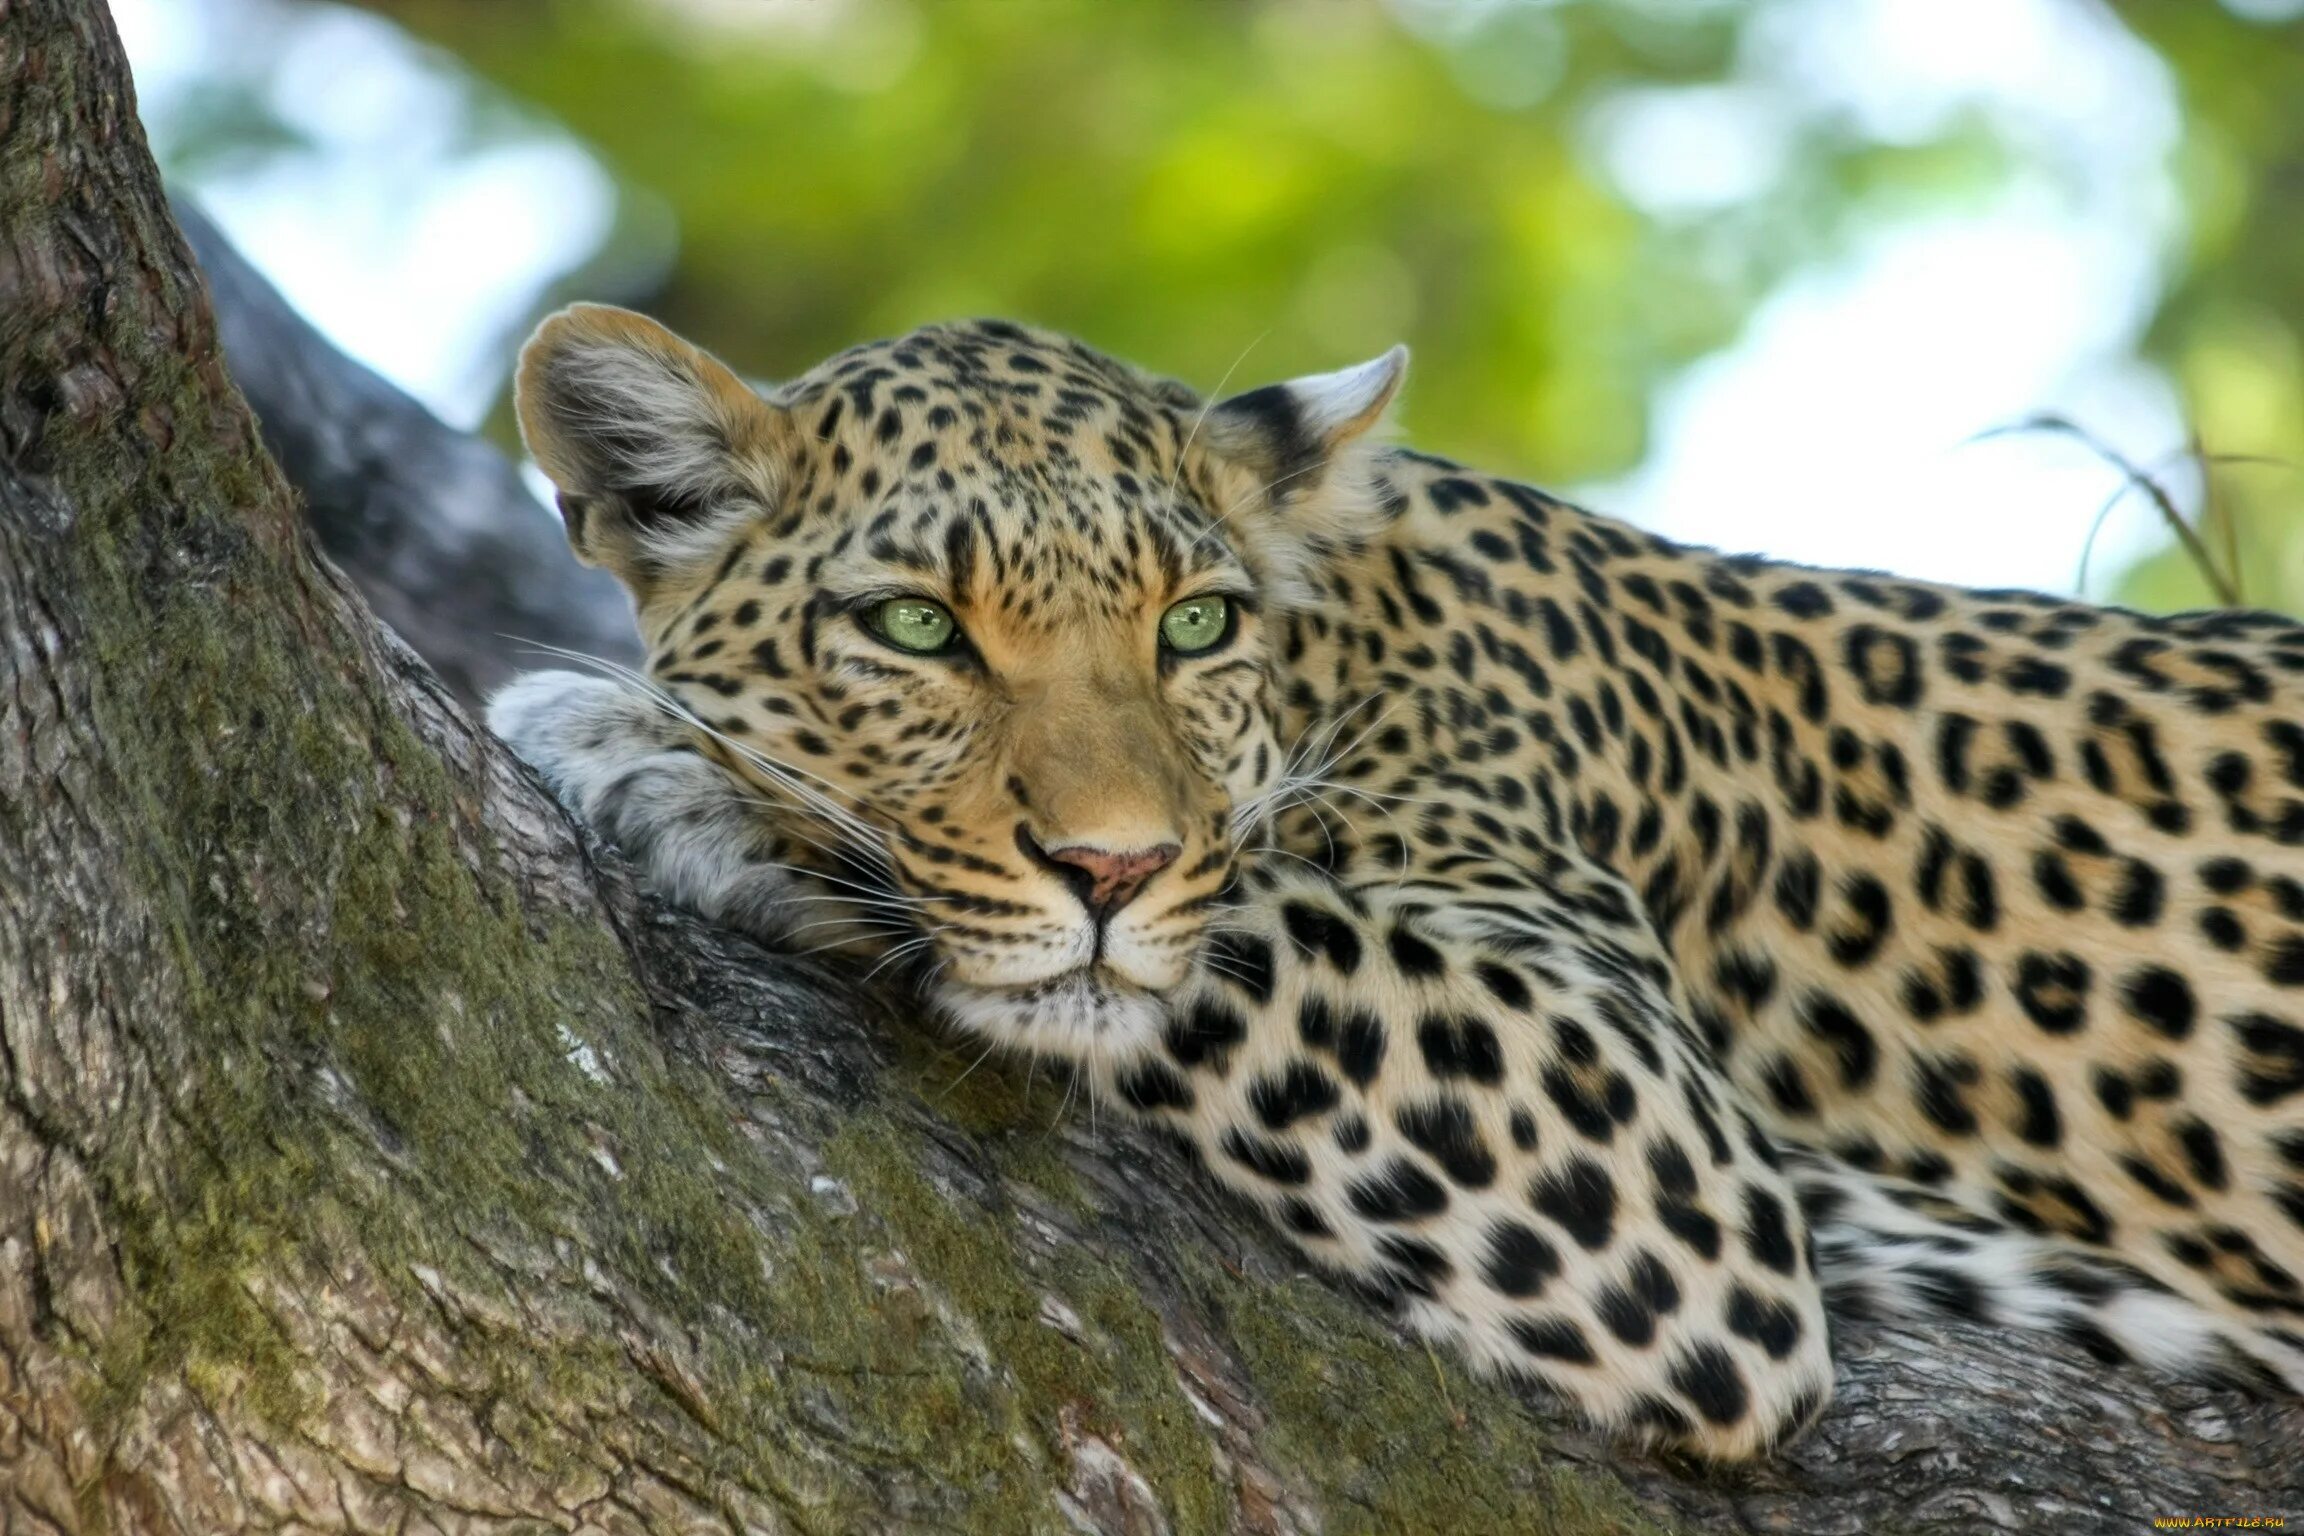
(1838, 430)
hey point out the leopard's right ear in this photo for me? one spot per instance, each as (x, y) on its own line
(659, 451)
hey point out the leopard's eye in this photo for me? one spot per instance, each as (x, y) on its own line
(913, 624)
(1196, 624)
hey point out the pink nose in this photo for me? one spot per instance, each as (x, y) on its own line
(1104, 879)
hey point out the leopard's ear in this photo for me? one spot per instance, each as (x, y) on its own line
(1290, 432)
(1304, 451)
(659, 451)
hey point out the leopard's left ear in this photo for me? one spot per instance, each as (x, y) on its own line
(1290, 433)
(658, 450)
(1301, 456)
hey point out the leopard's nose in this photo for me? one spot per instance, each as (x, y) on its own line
(1105, 879)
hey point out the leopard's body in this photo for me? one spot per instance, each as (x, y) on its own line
(1606, 950)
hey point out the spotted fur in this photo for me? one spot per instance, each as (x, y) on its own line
(1605, 951)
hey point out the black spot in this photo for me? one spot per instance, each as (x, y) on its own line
(1747, 976)
(1767, 1235)
(1767, 1322)
(1955, 738)
(1700, 1110)
(1352, 1134)
(2038, 1121)
(1798, 883)
(1581, 1198)
(2274, 1068)
(1453, 492)
(1503, 984)
(1401, 1191)
(1242, 960)
(1303, 1218)
(1668, 1165)
(1851, 1043)
(1280, 1099)
(1151, 1085)
(2222, 929)
(1803, 600)
(1708, 1378)
(1316, 931)
(1948, 1291)
(2226, 876)
(1460, 1046)
(1520, 1261)
(1869, 912)
(1204, 1033)
(2160, 998)
(2284, 962)
(1422, 1267)
(2140, 897)
(1444, 1131)
(1523, 1130)
(1552, 1338)
(2053, 989)
(2159, 1079)
(1412, 955)
(1963, 979)
(1559, 630)
(1630, 1309)
(2203, 1152)
(1788, 1086)
(1589, 1107)
(2081, 1216)
(1886, 664)
(1937, 1090)
(1276, 1161)
(2054, 878)
(2149, 1174)
(1926, 1168)
(2030, 674)
(1692, 1225)
(1316, 1023)
(1360, 1046)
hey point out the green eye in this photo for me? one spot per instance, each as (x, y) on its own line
(1195, 624)
(913, 624)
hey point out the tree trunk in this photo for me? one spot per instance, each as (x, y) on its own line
(372, 1159)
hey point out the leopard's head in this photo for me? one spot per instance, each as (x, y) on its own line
(984, 619)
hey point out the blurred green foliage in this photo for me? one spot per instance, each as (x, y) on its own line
(1258, 187)
(1243, 189)
(2230, 328)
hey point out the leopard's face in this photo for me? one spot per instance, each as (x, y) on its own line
(973, 613)
(1037, 686)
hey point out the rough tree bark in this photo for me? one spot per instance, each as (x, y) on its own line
(372, 1159)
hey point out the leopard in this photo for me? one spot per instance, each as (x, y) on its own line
(1621, 961)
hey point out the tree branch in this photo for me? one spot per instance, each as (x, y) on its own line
(371, 1158)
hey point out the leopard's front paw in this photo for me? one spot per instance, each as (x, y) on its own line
(580, 732)
(631, 770)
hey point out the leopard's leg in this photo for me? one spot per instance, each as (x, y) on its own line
(1485, 1104)
(633, 773)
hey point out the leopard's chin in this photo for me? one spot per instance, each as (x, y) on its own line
(1081, 1013)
